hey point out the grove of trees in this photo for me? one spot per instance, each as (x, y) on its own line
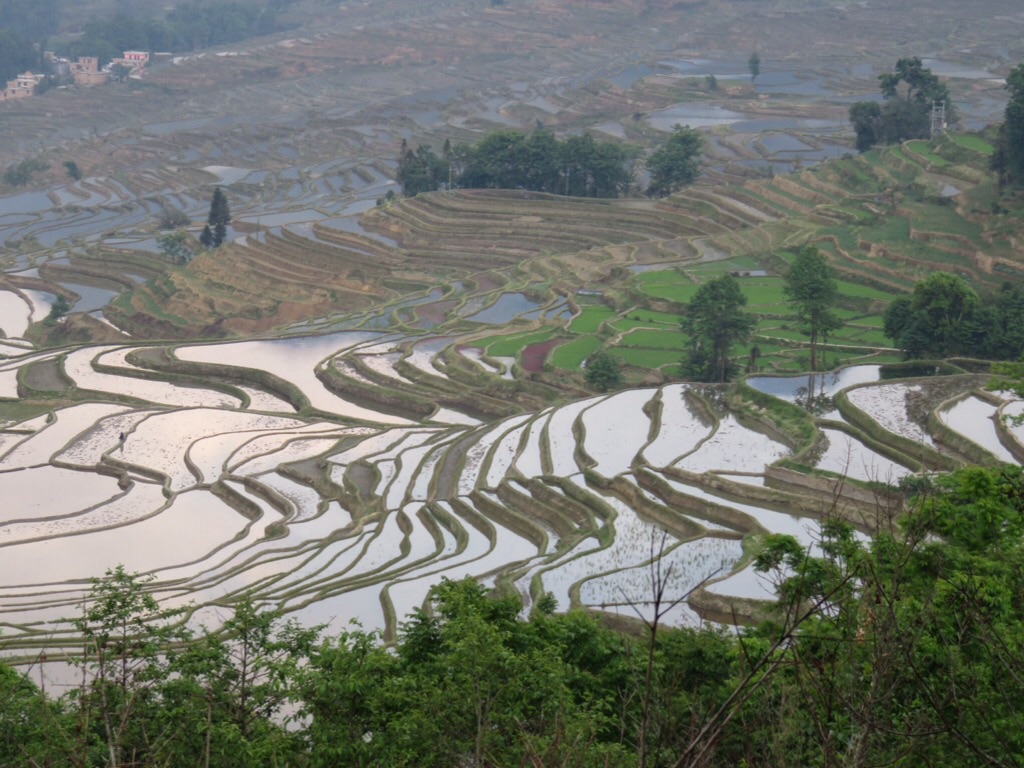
(578, 166)
(187, 26)
(944, 316)
(217, 221)
(23, 28)
(902, 647)
(908, 94)
(538, 161)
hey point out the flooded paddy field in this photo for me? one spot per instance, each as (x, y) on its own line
(356, 522)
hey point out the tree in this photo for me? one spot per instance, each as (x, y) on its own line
(811, 289)
(229, 690)
(421, 171)
(934, 320)
(174, 247)
(124, 630)
(908, 93)
(603, 372)
(119, 72)
(58, 309)
(206, 237)
(754, 65)
(72, 170)
(220, 216)
(915, 635)
(172, 218)
(715, 322)
(865, 117)
(1009, 155)
(33, 729)
(21, 174)
(676, 163)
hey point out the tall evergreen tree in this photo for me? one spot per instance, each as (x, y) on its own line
(1012, 136)
(220, 216)
(206, 237)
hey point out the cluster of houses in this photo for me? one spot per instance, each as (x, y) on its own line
(85, 70)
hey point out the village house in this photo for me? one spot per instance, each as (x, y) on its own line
(136, 58)
(86, 71)
(22, 86)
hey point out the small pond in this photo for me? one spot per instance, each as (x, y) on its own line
(797, 388)
(505, 309)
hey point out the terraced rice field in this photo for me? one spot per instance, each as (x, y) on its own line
(333, 514)
(349, 401)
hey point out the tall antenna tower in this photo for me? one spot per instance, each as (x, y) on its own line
(938, 124)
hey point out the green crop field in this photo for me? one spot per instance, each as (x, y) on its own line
(874, 321)
(644, 319)
(863, 291)
(570, 355)
(973, 143)
(763, 290)
(923, 149)
(677, 292)
(647, 358)
(654, 339)
(509, 346)
(590, 318)
(740, 263)
(874, 338)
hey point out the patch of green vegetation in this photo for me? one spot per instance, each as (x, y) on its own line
(863, 291)
(509, 346)
(857, 213)
(973, 143)
(882, 358)
(590, 318)
(646, 358)
(12, 412)
(923, 149)
(670, 276)
(784, 333)
(874, 338)
(655, 339)
(764, 348)
(680, 293)
(570, 355)
(645, 318)
(892, 229)
(843, 236)
(763, 290)
(874, 321)
(740, 263)
(933, 218)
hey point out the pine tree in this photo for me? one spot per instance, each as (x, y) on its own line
(206, 237)
(220, 216)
